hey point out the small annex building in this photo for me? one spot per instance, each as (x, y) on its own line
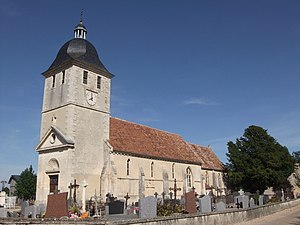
(80, 140)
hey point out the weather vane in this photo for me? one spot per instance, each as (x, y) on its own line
(81, 14)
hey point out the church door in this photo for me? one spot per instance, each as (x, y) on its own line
(53, 183)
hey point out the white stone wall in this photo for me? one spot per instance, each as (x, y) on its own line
(65, 106)
(130, 184)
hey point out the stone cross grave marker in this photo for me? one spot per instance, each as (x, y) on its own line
(175, 189)
(148, 207)
(96, 203)
(241, 192)
(75, 186)
(126, 199)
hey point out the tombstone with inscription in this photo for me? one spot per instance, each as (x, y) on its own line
(251, 203)
(190, 202)
(205, 204)
(148, 207)
(57, 205)
(220, 206)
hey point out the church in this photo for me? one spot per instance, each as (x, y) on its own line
(80, 140)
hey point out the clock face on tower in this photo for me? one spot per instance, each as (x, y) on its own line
(91, 97)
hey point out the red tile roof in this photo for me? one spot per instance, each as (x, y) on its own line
(142, 141)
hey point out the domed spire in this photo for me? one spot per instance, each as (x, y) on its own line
(80, 30)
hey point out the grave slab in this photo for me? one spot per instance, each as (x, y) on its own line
(57, 205)
(220, 206)
(148, 207)
(205, 204)
(190, 202)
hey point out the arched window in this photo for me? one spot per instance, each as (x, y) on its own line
(151, 169)
(128, 167)
(206, 178)
(173, 170)
(189, 178)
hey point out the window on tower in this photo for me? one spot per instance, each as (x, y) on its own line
(85, 77)
(63, 77)
(98, 82)
(53, 81)
(151, 169)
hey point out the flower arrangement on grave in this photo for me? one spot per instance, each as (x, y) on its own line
(168, 209)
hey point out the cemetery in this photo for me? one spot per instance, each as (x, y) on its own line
(64, 208)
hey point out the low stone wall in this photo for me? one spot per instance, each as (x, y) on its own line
(220, 218)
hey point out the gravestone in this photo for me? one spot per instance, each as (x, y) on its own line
(190, 202)
(41, 209)
(251, 203)
(243, 201)
(220, 206)
(57, 205)
(148, 207)
(11, 202)
(31, 211)
(266, 199)
(116, 207)
(282, 196)
(24, 205)
(3, 213)
(2, 198)
(205, 204)
(229, 199)
(260, 200)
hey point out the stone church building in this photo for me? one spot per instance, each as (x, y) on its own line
(80, 140)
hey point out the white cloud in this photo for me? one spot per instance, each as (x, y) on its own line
(200, 101)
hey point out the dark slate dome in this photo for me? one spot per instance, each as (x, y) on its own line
(81, 50)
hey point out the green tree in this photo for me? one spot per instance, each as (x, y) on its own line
(26, 185)
(257, 161)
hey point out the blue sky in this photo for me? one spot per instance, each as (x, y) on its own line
(203, 69)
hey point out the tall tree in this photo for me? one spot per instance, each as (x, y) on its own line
(26, 185)
(257, 161)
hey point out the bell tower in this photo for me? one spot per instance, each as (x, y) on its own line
(75, 119)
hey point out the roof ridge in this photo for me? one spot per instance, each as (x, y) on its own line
(147, 126)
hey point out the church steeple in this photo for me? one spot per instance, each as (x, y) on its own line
(80, 30)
